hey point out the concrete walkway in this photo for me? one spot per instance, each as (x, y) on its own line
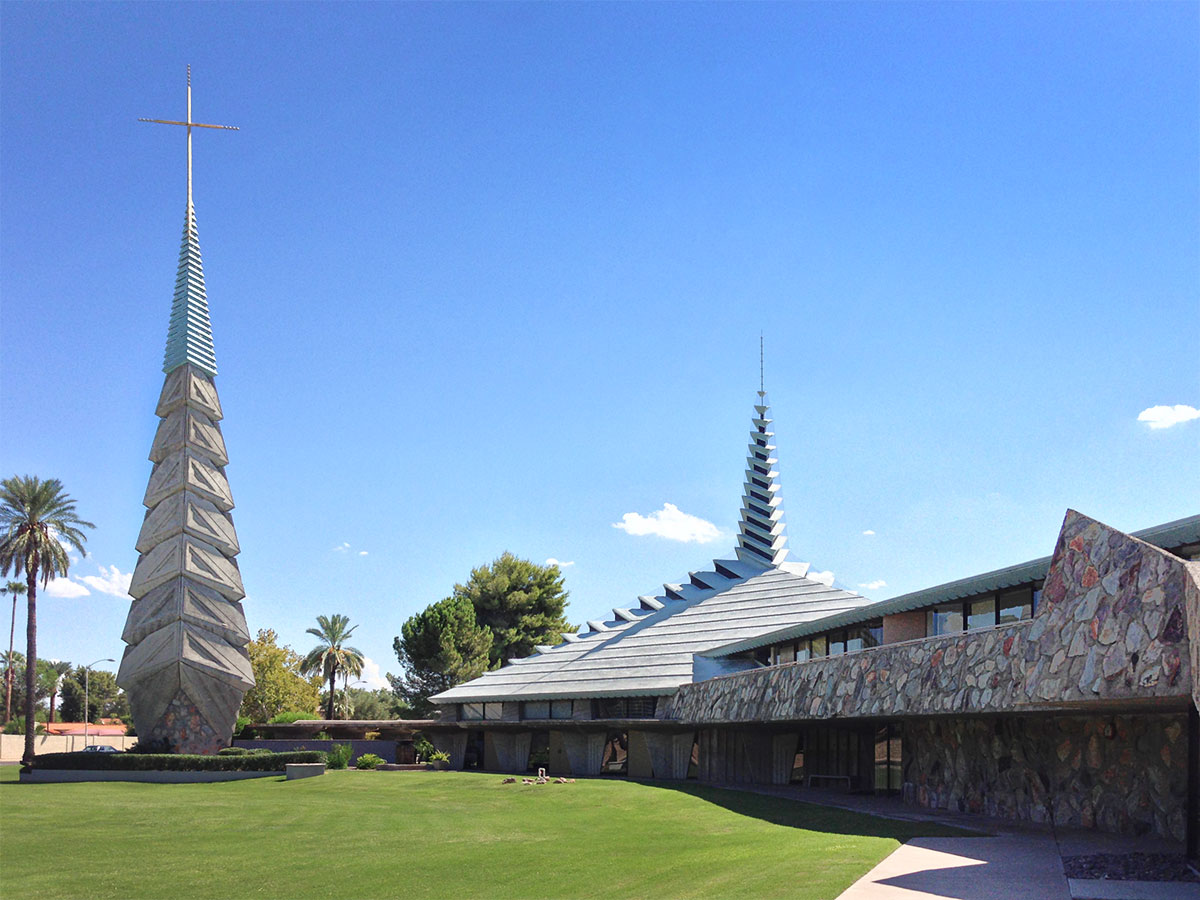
(1011, 861)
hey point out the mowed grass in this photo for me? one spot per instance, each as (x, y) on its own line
(428, 834)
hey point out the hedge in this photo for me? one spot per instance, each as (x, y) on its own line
(176, 762)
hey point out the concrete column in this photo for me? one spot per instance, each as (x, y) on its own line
(454, 743)
(681, 754)
(783, 756)
(661, 749)
(585, 751)
(511, 750)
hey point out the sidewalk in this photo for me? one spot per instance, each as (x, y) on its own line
(1012, 861)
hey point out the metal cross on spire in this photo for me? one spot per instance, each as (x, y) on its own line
(761, 382)
(189, 124)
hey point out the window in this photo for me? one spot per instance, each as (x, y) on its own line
(641, 707)
(560, 709)
(785, 653)
(1015, 606)
(608, 709)
(493, 710)
(535, 709)
(981, 613)
(819, 646)
(887, 759)
(469, 712)
(803, 651)
(539, 751)
(837, 643)
(946, 619)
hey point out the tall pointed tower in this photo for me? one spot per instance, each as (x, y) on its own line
(760, 534)
(186, 667)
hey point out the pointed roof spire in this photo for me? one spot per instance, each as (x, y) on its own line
(760, 534)
(189, 334)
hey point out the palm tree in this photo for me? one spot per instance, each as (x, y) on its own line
(61, 670)
(331, 656)
(15, 588)
(36, 518)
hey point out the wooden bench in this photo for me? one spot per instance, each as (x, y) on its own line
(842, 778)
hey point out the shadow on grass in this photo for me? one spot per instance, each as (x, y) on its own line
(792, 813)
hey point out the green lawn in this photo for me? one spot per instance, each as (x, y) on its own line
(438, 834)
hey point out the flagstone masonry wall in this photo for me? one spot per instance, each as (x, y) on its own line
(1112, 624)
(1124, 774)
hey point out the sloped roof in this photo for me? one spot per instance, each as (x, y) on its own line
(647, 650)
(1170, 535)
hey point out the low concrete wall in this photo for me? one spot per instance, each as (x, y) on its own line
(13, 745)
(54, 776)
(386, 750)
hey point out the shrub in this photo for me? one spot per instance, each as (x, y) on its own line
(240, 725)
(338, 756)
(287, 718)
(175, 762)
(423, 747)
(369, 761)
(439, 756)
(232, 751)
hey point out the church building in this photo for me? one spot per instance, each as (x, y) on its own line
(1062, 690)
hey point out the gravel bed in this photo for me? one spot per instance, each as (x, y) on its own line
(1130, 867)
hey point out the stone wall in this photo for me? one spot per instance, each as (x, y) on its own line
(1124, 774)
(1112, 624)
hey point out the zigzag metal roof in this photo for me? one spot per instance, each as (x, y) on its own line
(647, 650)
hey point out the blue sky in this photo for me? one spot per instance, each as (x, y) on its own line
(490, 277)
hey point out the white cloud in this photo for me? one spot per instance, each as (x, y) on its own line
(558, 562)
(869, 533)
(874, 585)
(671, 524)
(342, 547)
(825, 577)
(1166, 416)
(371, 675)
(111, 580)
(65, 587)
(362, 552)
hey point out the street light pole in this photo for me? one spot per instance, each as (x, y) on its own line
(87, 678)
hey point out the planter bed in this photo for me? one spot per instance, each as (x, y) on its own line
(152, 776)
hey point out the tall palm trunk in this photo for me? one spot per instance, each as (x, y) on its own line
(30, 662)
(8, 673)
(332, 685)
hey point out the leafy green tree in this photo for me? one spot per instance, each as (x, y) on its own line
(332, 655)
(36, 518)
(439, 647)
(520, 603)
(16, 588)
(105, 699)
(279, 683)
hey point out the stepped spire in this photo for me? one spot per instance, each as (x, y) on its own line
(186, 667)
(189, 334)
(760, 534)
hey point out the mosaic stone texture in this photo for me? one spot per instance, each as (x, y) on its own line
(1115, 773)
(1113, 624)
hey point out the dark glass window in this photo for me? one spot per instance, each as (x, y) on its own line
(641, 707)
(473, 756)
(798, 762)
(608, 708)
(493, 710)
(535, 709)
(785, 653)
(837, 643)
(470, 711)
(819, 645)
(560, 709)
(803, 651)
(887, 759)
(539, 751)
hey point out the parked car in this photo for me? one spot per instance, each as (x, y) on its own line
(99, 748)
